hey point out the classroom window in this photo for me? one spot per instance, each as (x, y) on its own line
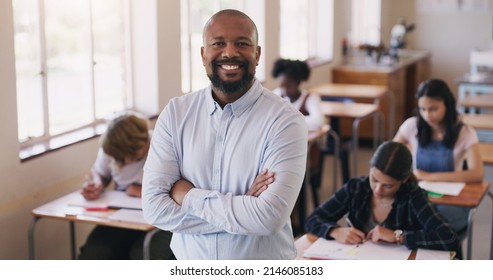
(306, 29)
(71, 65)
(365, 22)
(194, 14)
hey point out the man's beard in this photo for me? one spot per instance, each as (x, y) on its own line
(243, 85)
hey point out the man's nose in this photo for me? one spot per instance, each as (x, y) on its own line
(230, 50)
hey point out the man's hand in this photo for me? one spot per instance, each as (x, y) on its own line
(179, 190)
(261, 183)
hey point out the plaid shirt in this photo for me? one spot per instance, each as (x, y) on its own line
(411, 212)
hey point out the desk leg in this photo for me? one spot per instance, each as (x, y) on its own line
(337, 152)
(31, 237)
(72, 240)
(147, 243)
(470, 220)
(355, 147)
(491, 234)
(391, 122)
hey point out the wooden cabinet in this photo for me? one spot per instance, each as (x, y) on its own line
(402, 79)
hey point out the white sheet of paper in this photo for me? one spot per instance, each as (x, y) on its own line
(449, 188)
(111, 198)
(427, 254)
(128, 215)
(331, 249)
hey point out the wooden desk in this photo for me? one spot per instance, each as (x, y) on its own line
(486, 151)
(358, 92)
(357, 112)
(484, 101)
(402, 79)
(59, 209)
(479, 121)
(471, 196)
(472, 90)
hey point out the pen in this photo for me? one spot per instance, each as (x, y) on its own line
(348, 222)
(97, 208)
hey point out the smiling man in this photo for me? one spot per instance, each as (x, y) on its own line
(227, 162)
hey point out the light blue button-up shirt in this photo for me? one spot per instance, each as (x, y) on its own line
(221, 151)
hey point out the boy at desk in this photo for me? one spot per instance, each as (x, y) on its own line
(121, 158)
(387, 205)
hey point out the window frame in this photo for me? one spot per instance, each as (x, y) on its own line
(37, 145)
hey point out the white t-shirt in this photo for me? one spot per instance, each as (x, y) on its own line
(312, 105)
(467, 137)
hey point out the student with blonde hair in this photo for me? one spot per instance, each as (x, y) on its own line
(120, 159)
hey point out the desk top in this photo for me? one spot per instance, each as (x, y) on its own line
(61, 210)
(479, 121)
(471, 196)
(482, 101)
(349, 90)
(347, 110)
(478, 79)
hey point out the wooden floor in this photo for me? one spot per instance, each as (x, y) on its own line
(483, 216)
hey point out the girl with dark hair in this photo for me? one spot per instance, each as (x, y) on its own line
(387, 205)
(290, 74)
(441, 144)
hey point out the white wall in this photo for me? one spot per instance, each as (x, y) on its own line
(26, 185)
(448, 35)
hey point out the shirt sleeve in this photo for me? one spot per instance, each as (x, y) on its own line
(161, 170)
(102, 166)
(434, 232)
(326, 216)
(264, 215)
(408, 129)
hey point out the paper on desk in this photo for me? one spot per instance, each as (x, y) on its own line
(115, 199)
(128, 215)
(331, 249)
(427, 254)
(449, 188)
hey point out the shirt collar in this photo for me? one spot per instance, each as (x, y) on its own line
(239, 106)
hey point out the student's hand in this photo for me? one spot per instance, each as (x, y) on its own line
(179, 190)
(379, 233)
(261, 183)
(347, 235)
(422, 175)
(91, 190)
(134, 190)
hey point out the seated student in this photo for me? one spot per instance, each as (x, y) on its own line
(441, 143)
(121, 158)
(388, 205)
(290, 74)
